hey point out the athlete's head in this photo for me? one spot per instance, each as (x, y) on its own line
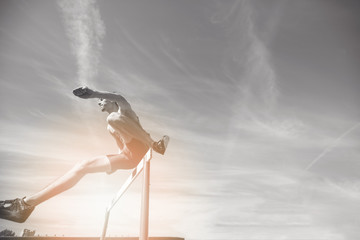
(107, 105)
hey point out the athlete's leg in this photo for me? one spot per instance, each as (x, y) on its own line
(109, 164)
(19, 210)
(69, 179)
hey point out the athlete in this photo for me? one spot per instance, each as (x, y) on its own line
(133, 142)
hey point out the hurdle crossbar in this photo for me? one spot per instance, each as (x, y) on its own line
(144, 221)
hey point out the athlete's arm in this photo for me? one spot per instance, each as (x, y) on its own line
(85, 92)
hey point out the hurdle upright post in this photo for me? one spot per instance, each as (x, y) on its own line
(143, 166)
(144, 219)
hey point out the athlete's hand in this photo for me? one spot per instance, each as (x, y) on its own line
(83, 92)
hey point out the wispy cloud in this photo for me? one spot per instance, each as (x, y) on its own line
(167, 49)
(247, 61)
(85, 30)
(332, 145)
(248, 65)
(142, 49)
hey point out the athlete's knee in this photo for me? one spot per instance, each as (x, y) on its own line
(79, 168)
(83, 167)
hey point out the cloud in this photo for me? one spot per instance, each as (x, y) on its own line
(332, 145)
(167, 48)
(247, 63)
(85, 30)
(281, 205)
(142, 49)
(254, 102)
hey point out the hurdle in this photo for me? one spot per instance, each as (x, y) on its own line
(144, 165)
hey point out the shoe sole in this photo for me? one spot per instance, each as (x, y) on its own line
(165, 140)
(16, 216)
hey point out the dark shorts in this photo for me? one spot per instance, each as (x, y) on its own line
(129, 158)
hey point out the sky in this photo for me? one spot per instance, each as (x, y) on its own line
(260, 99)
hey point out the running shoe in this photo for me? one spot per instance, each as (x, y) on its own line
(161, 145)
(15, 210)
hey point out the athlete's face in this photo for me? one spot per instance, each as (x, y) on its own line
(107, 105)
